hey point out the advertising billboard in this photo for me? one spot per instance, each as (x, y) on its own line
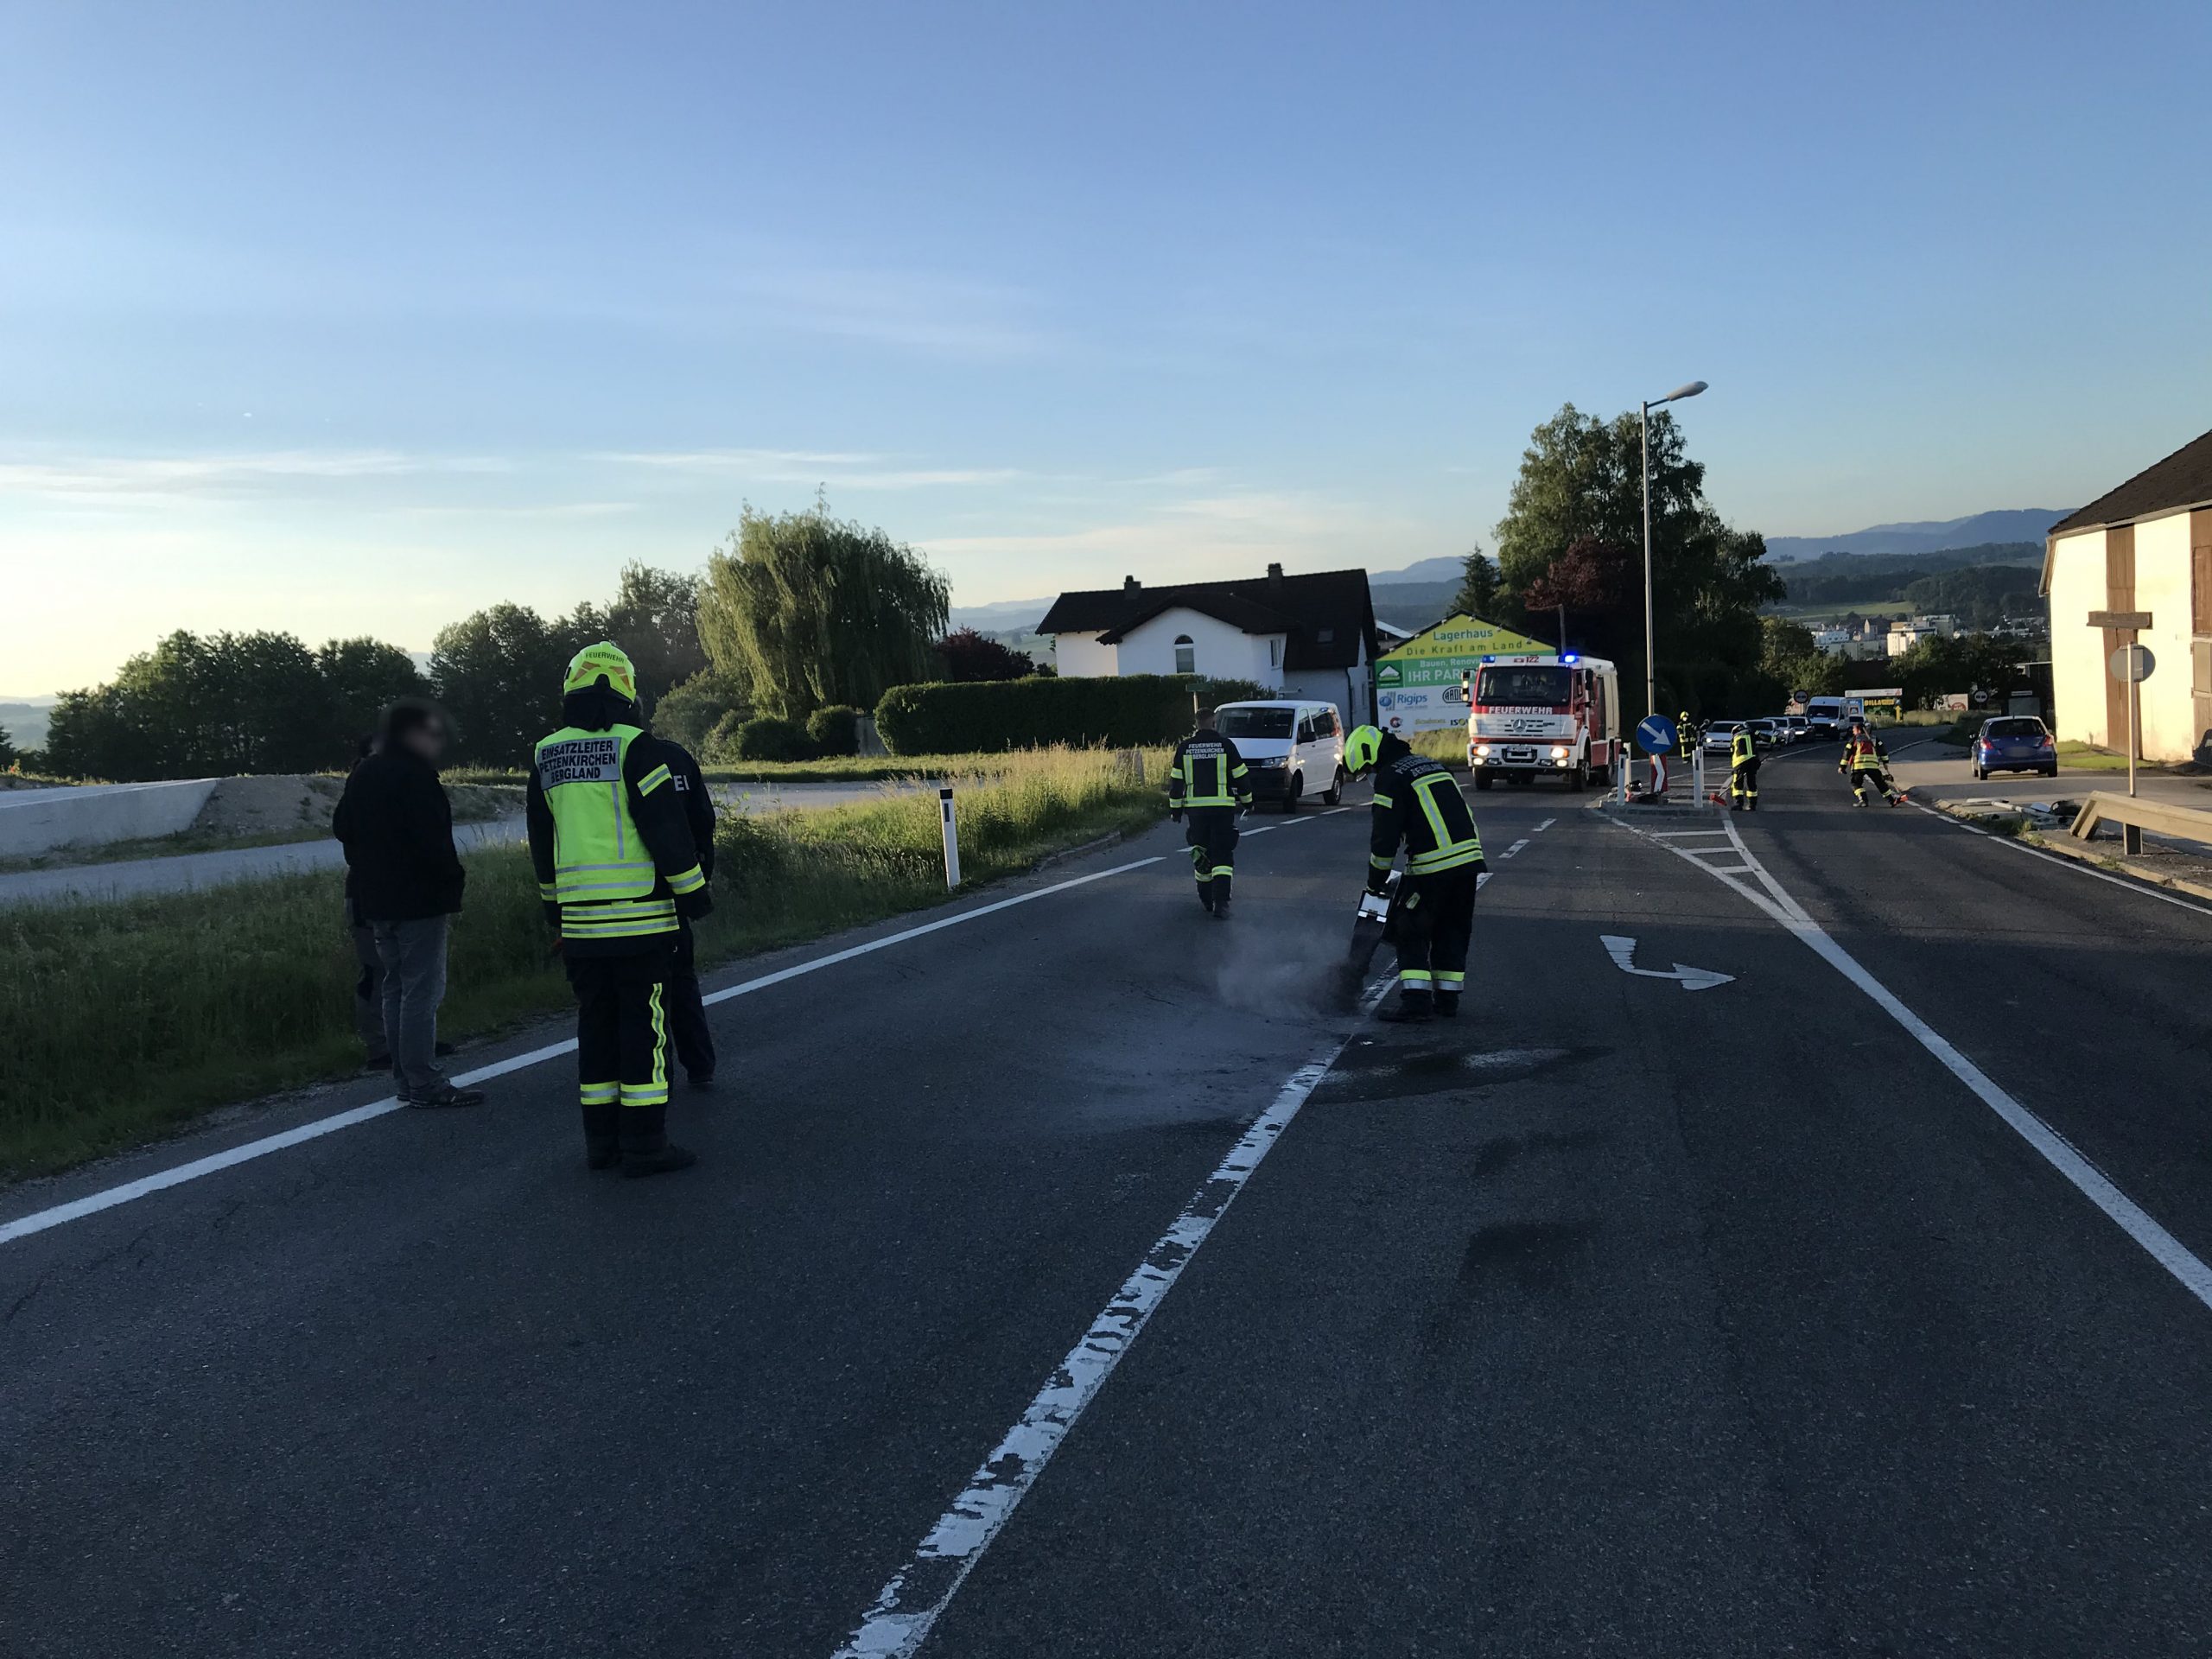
(1417, 685)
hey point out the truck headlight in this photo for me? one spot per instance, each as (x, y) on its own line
(1559, 751)
(1482, 750)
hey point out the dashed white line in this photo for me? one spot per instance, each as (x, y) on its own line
(2190, 1271)
(1515, 848)
(1545, 825)
(918, 1591)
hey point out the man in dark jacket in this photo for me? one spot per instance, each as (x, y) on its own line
(1209, 784)
(687, 1009)
(404, 880)
(1420, 805)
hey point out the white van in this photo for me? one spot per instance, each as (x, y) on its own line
(1292, 748)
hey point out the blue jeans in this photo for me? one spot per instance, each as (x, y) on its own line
(413, 955)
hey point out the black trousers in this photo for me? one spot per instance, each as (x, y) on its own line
(1744, 783)
(1434, 926)
(622, 1045)
(1211, 831)
(687, 1011)
(1865, 777)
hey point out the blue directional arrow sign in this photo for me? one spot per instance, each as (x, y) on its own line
(1656, 735)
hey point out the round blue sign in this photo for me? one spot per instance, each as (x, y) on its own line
(1656, 735)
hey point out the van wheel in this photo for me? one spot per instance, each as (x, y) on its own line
(1335, 792)
(1290, 796)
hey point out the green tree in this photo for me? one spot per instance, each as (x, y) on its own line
(197, 706)
(499, 673)
(361, 678)
(655, 617)
(809, 609)
(1580, 487)
(10, 755)
(689, 714)
(1478, 587)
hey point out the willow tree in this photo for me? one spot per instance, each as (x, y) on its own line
(810, 610)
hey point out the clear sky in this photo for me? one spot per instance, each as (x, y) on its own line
(351, 319)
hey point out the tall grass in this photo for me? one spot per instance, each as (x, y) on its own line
(1449, 745)
(127, 1017)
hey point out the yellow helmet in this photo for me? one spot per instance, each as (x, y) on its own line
(604, 664)
(1362, 749)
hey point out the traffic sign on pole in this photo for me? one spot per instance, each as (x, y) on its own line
(1655, 735)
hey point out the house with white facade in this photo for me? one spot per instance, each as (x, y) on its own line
(2143, 547)
(1310, 636)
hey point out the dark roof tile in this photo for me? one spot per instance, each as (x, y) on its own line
(2181, 480)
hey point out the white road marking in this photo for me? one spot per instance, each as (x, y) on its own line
(2169, 1252)
(918, 1591)
(1545, 825)
(1623, 952)
(2076, 865)
(1515, 848)
(39, 1220)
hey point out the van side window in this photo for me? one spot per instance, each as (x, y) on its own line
(1306, 729)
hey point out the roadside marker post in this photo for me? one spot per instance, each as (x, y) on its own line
(951, 839)
(2132, 664)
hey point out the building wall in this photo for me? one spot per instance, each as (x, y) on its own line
(2078, 652)
(1219, 651)
(1080, 656)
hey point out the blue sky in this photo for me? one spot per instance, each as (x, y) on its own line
(352, 319)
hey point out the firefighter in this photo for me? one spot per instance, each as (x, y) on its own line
(618, 873)
(1685, 737)
(1418, 803)
(1866, 765)
(1744, 771)
(1209, 785)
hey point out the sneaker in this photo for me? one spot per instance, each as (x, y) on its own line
(668, 1160)
(443, 1095)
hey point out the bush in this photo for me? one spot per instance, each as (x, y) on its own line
(988, 717)
(1213, 693)
(692, 712)
(766, 738)
(834, 730)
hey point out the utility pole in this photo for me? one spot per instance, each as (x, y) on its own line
(1650, 648)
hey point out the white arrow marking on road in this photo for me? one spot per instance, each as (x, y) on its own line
(1623, 952)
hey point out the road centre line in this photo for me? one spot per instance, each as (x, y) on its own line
(2186, 1268)
(1515, 848)
(909, 1604)
(40, 1220)
(1545, 825)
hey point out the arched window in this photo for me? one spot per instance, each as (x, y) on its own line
(1186, 654)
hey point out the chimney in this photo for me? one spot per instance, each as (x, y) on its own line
(1130, 584)
(1274, 577)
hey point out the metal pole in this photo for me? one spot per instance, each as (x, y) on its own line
(2131, 835)
(951, 839)
(1651, 661)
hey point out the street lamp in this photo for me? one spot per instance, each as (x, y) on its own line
(1651, 658)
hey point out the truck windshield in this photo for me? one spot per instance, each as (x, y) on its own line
(1254, 722)
(1523, 686)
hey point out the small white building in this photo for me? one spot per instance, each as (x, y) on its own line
(2146, 546)
(1311, 636)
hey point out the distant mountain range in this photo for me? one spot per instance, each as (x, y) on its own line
(2008, 524)
(24, 719)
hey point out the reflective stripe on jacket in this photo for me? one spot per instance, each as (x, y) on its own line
(1418, 802)
(594, 857)
(1208, 772)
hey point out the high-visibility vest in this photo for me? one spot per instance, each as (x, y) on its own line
(1742, 747)
(603, 873)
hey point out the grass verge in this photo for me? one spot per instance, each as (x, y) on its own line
(830, 769)
(129, 1017)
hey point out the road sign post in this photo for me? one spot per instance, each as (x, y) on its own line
(1655, 735)
(2132, 664)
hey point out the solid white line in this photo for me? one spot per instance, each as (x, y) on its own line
(2144, 889)
(918, 1591)
(39, 1220)
(2169, 1252)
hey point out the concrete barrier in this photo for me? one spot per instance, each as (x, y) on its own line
(34, 820)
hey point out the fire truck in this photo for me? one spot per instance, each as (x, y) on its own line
(1542, 716)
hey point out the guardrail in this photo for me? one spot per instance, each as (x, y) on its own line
(2134, 815)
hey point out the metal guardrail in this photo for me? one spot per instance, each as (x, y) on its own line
(2134, 813)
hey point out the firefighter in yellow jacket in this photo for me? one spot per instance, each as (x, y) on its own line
(1744, 769)
(616, 868)
(1210, 785)
(1867, 767)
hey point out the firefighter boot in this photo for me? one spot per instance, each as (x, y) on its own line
(646, 1149)
(602, 1134)
(1447, 1005)
(1412, 1007)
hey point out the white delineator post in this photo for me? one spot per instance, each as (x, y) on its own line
(951, 838)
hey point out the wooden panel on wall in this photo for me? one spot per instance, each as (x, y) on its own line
(2119, 595)
(2200, 572)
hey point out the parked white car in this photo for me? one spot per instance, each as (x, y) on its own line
(1293, 749)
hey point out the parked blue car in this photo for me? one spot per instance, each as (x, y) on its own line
(2014, 743)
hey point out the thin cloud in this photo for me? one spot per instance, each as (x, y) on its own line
(88, 478)
(836, 471)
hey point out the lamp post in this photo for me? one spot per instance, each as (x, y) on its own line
(1651, 657)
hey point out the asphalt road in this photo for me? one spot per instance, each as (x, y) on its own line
(1614, 1319)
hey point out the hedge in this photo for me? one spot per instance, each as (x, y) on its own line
(986, 716)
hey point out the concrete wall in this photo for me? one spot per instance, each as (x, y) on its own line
(1218, 649)
(33, 821)
(1080, 656)
(2078, 653)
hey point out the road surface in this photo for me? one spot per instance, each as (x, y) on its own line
(1854, 1305)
